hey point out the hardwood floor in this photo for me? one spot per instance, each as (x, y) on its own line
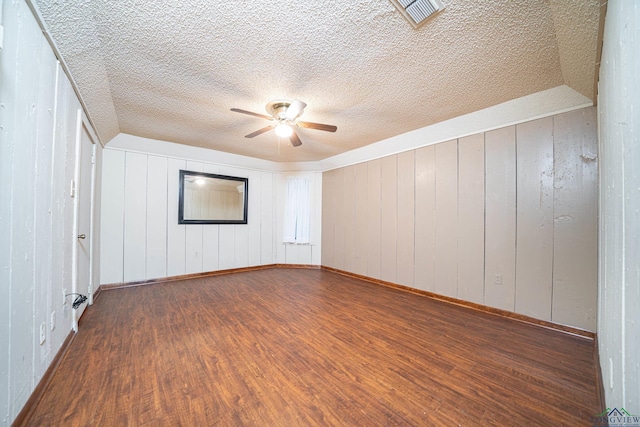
(311, 347)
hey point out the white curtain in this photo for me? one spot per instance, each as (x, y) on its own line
(297, 211)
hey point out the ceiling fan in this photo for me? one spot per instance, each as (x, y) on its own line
(284, 117)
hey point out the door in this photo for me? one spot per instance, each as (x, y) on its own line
(84, 228)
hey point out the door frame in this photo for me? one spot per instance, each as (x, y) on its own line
(80, 125)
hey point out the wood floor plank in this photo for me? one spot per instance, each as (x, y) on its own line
(283, 347)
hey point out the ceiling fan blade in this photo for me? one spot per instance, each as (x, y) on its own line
(259, 132)
(318, 126)
(295, 140)
(251, 113)
(295, 109)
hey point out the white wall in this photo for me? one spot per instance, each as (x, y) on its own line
(619, 248)
(39, 123)
(519, 202)
(142, 238)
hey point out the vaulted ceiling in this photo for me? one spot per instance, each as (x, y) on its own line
(172, 70)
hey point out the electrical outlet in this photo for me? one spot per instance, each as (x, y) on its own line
(52, 325)
(43, 332)
(64, 296)
(497, 279)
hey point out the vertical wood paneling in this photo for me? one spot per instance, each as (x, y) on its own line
(575, 219)
(198, 248)
(425, 208)
(69, 125)
(328, 218)
(446, 269)
(227, 255)
(298, 254)
(43, 197)
(361, 208)
(374, 218)
(156, 250)
(349, 211)
(96, 242)
(254, 210)
(63, 239)
(619, 207)
(240, 232)
(389, 218)
(500, 232)
(622, 115)
(241, 235)
(193, 235)
(280, 182)
(39, 119)
(292, 254)
(7, 147)
(266, 218)
(135, 217)
(341, 211)
(316, 219)
(534, 256)
(175, 232)
(471, 218)
(210, 233)
(457, 204)
(24, 339)
(230, 238)
(112, 224)
(406, 218)
(241, 245)
(210, 250)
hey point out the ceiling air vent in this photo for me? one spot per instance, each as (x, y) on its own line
(417, 11)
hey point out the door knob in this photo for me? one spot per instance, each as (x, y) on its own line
(81, 236)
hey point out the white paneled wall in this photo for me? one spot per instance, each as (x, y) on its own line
(619, 245)
(534, 217)
(505, 218)
(40, 119)
(142, 237)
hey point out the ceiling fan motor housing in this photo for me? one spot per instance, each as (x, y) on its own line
(283, 116)
(278, 109)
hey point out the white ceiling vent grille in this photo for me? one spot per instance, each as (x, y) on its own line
(417, 11)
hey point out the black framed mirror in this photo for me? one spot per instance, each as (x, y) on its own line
(206, 198)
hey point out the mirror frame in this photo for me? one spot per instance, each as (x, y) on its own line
(181, 219)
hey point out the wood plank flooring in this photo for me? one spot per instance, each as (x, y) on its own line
(287, 347)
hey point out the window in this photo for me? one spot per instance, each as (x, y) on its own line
(297, 211)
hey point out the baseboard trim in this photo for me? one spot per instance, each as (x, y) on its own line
(27, 411)
(111, 286)
(472, 305)
(96, 294)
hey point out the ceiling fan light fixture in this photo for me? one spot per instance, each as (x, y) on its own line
(283, 130)
(283, 116)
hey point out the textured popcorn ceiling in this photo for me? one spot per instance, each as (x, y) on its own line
(172, 70)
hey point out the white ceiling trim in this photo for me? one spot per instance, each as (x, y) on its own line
(542, 104)
(137, 144)
(549, 102)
